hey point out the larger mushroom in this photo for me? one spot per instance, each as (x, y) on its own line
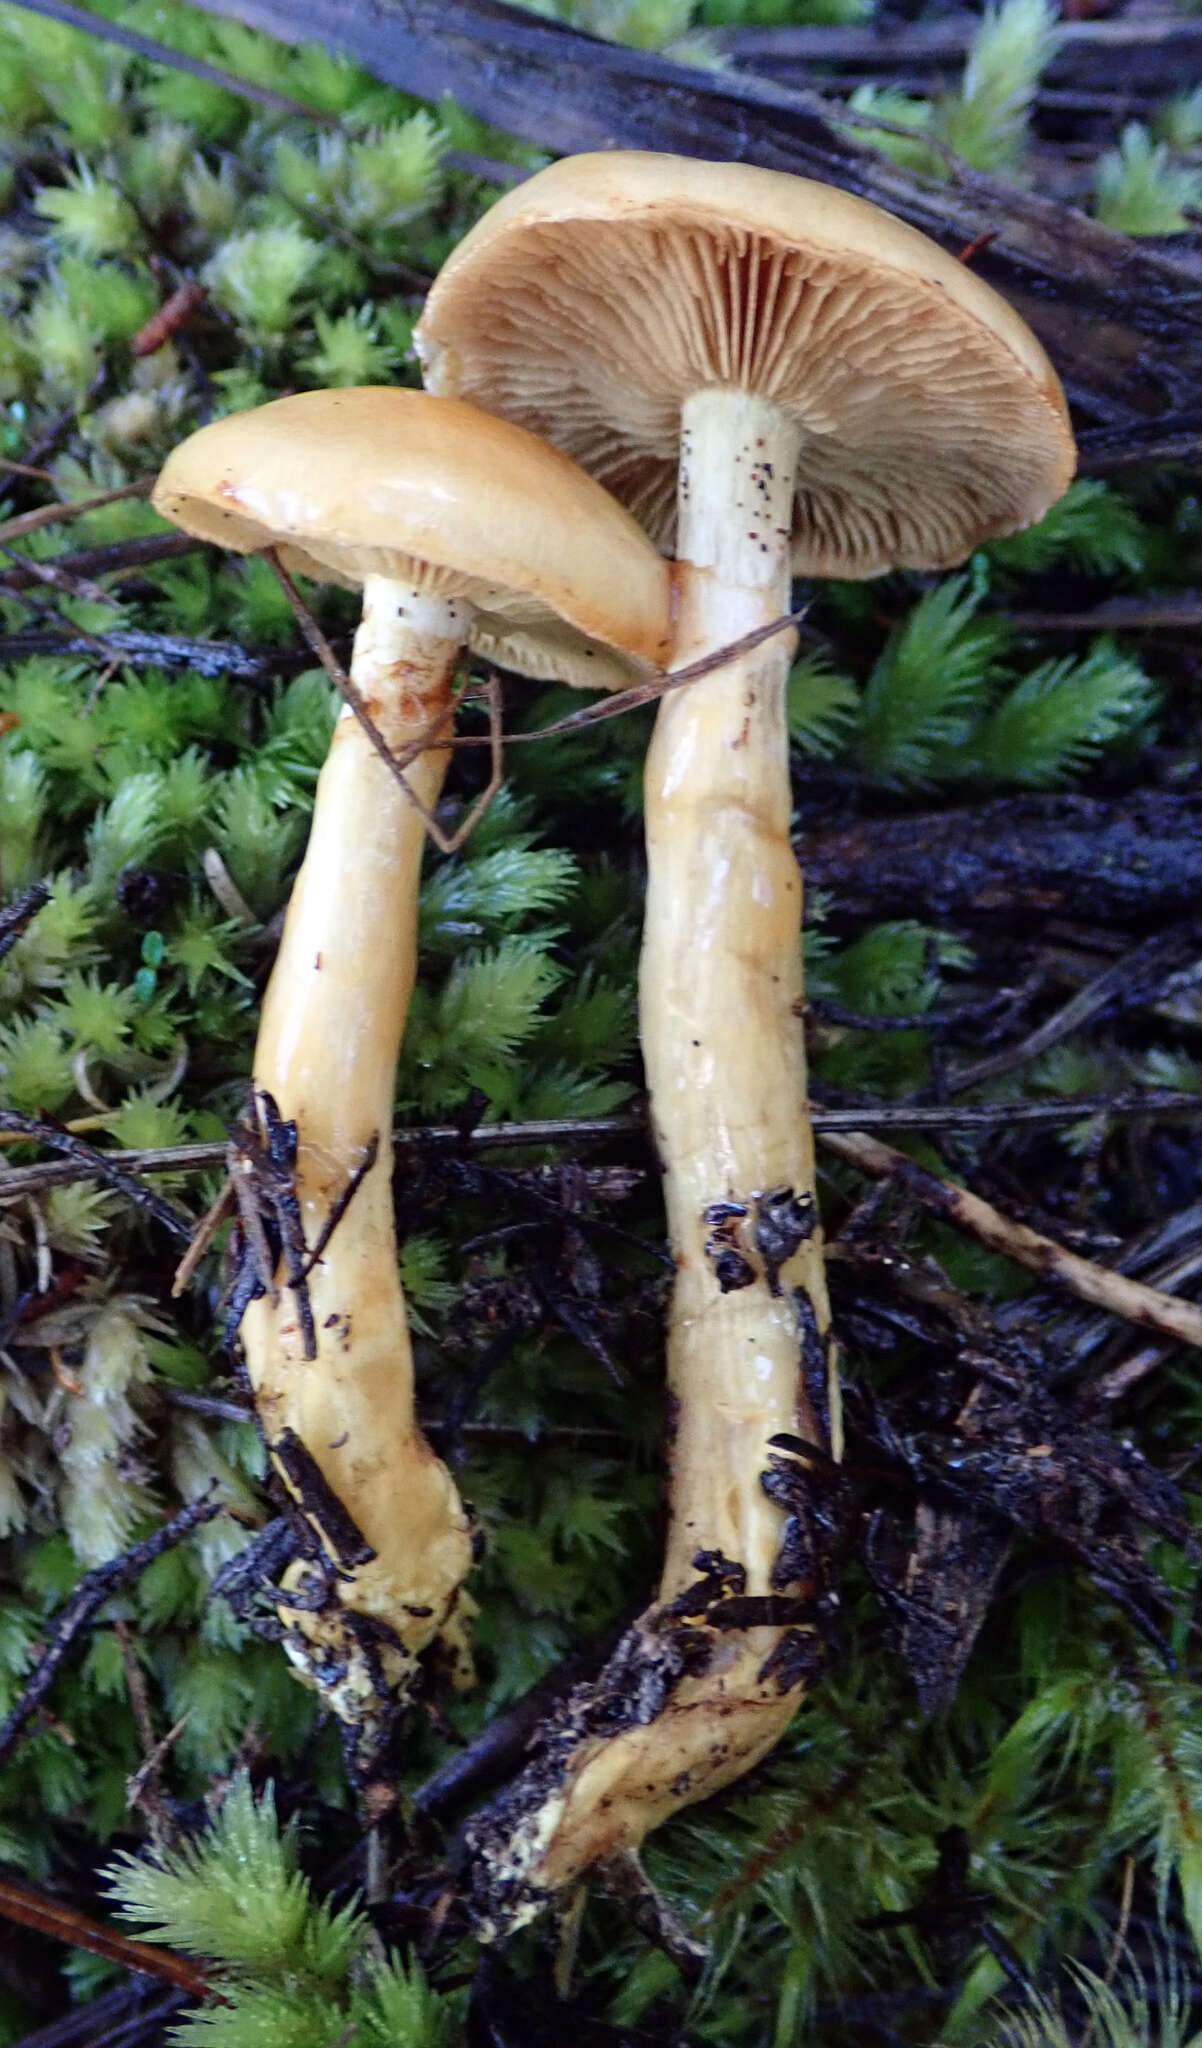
(458, 528)
(779, 380)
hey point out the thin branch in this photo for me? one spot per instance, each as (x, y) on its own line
(129, 648)
(651, 691)
(352, 697)
(1132, 977)
(59, 515)
(93, 1165)
(66, 1923)
(113, 558)
(1131, 1299)
(20, 913)
(571, 1131)
(86, 1602)
(58, 579)
(1175, 437)
(1179, 613)
(122, 2018)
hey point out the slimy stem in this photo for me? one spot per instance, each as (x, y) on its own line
(331, 1030)
(720, 1001)
(701, 1688)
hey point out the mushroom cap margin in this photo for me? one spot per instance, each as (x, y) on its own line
(393, 482)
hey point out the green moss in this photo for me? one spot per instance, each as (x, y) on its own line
(537, 1298)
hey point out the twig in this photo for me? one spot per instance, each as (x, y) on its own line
(117, 2019)
(59, 515)
(95, 1165)
(1131, 1299)
(66, 1923)
(58, 579)
(937, 1021)
(209, 1405)
(599, 1442)
(651, 691)
(206, 1230)
(11, 468)
(1175, 437)
(175, 312)
(18, 915)
(572, 1131)
(128, 646)
(502, 1745)
(1116, 1947)
(145, 1788)
(85, 1603)
(1130, 978)
(345, 685)
(1180, 613)
(115, 558)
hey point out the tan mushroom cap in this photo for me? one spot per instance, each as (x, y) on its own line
(378, 481)
(596, 297)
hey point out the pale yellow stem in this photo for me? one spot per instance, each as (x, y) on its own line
(748, 1357)
(720, 997)
(331, 1029)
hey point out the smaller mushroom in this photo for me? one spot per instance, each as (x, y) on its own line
(459, 529)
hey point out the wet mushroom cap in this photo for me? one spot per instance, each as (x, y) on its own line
(592, 300)
(436, 494)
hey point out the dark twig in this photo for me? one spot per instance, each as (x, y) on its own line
(117, 2019)
(575, 1131)
(936, 1021)
(93, 1165)
(85, 1603)
(1179, 613)
(56, 578)
(502, 1745)
(591, 1442)
(342, 1201)
(18, 915)
(75, 508)
(1175, 437)
(1131, 980)
(114, 558)
(129, 647)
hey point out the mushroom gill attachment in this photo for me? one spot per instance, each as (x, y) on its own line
(454, 525)
(778, 379)
(928, 416)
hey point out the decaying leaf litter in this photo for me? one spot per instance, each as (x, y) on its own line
(1009, 1454)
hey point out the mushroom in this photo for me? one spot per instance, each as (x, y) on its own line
(778, 379)
(459, 528)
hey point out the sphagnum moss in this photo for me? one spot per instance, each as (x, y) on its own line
(1069, 1749)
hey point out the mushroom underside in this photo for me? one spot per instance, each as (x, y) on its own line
(921, 435)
